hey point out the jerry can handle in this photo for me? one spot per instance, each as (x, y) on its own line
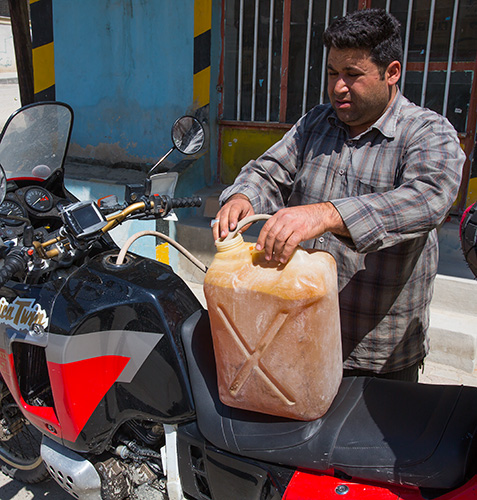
(244, 222)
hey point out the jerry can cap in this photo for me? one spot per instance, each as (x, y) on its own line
(224, 245)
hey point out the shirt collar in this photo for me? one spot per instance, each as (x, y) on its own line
(386, 123)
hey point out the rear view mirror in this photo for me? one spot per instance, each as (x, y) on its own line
(188, 135)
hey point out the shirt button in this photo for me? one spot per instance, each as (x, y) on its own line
(321, 239)
(341, 171)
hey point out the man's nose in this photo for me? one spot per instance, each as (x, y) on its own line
(340, 86)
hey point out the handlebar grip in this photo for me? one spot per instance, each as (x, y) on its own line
(194, 201)
(14, 263)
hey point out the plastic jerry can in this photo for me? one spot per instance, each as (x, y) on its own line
(275, 330)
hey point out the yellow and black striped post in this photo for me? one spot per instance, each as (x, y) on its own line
(202, 37)
(41, 15)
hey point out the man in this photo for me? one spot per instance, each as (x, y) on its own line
(367, 178)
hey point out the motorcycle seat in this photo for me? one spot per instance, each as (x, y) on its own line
(376, 430)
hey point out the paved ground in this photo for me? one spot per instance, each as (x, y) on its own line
(442, 374)
(13, 490)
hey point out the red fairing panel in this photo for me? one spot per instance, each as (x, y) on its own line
(314, 486)
(81, 370)
(77, 388)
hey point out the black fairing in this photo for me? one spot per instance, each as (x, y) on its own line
(209, 473)
(142, 296)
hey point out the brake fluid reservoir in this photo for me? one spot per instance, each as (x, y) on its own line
(275, 330)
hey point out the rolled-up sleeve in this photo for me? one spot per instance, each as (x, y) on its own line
(426, 186)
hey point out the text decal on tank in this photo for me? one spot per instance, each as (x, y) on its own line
(22, 314)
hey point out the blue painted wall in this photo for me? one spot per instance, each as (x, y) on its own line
(126, 68)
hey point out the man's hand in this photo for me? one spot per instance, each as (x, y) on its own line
(238, 207)
(290, 226)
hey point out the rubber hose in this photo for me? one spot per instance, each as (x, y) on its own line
(122, 254)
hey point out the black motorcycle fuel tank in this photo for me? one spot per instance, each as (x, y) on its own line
(114, 351)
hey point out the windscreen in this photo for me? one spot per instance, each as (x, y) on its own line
(34, 140)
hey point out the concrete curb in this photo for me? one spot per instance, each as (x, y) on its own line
(8, 78)
(453, 323)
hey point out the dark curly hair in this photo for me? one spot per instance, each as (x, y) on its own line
(372, 29)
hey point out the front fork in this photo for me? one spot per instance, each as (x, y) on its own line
(170, 463)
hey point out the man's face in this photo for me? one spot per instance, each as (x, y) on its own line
(357, 91)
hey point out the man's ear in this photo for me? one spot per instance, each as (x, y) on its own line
(393, 72)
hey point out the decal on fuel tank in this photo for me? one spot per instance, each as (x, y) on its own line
(128, 344)
(22, 313)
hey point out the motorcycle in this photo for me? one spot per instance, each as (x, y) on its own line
(108, 377)
(468, 237)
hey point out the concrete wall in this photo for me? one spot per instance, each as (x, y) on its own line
(126, 69)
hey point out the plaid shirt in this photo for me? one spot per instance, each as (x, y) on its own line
(392, 185)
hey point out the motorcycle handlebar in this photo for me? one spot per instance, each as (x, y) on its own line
(17, 259)
(160, 205)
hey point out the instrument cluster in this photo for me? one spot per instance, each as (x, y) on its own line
(23, 204)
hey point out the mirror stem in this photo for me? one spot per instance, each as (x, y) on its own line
(160, 161)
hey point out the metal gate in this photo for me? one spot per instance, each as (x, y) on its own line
(274, 62)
